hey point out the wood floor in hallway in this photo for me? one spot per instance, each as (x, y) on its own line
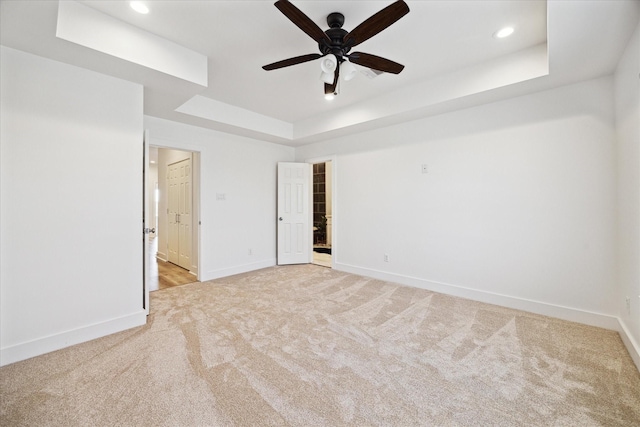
(162, 274)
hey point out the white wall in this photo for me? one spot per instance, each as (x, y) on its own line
(244, 171)
(518, 206)
(627, 96)
(71, 157)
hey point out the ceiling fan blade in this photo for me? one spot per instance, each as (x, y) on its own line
(376, 23)
(376, 62)
(303, 22)
(292, 61)
(331, 88)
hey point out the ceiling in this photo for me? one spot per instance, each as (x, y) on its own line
(450, 55)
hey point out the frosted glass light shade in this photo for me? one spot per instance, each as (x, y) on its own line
(329, 63)
(347, 70)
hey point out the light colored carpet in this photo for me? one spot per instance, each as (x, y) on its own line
(310, 346)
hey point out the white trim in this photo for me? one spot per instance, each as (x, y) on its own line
(630, 343)
(196, 206)
(173, 144)
(195, 154)
(51, 343)
(146, 202)
(552, 310)
(238, 269)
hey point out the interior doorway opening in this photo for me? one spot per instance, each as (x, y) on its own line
(322, 213)
(175, 197)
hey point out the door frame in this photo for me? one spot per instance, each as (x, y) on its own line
(334, 205)
(196, 178)
(196, 219)
(145, 211)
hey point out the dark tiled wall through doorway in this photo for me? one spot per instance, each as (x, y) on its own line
(319, 204)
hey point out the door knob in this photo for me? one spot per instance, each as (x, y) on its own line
(280, 219)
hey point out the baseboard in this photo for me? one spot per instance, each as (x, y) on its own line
(244, 268)
(560, 312)
(630, 343)
(161, 256)
(537, 307)
(51, 343)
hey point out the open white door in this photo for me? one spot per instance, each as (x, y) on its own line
(294, 214)
(146, 209)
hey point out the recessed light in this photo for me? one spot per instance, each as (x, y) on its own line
(139, 7)
(504, 32)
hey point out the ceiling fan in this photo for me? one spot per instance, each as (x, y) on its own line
(335, 44)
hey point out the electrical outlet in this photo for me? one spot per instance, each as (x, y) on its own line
(628, 300)
(425, 168)
(386, 257)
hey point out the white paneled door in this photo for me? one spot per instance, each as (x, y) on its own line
(179, 212)
(294, 213)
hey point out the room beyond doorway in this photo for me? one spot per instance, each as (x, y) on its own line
(322, 213)
(163, 274)
(175, 200)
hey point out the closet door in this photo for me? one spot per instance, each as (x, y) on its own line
(184, 213)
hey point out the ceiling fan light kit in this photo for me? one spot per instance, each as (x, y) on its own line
(348, 70)
(335, 43)
(327, 78)
(328, 65)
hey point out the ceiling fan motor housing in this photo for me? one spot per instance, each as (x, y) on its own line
(336, 33)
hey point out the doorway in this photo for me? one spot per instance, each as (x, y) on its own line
(174, 186)
(322, 190)
(306, 231)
